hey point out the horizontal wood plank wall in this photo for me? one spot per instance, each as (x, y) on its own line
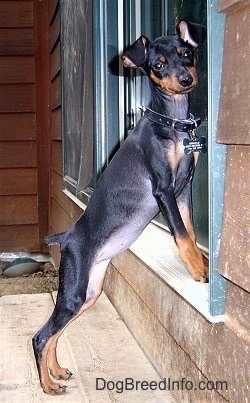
(234, 110)
(19, 229)
(62, 210)
(234, 253)
(233, 130)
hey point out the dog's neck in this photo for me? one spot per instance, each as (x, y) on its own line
(172, 106)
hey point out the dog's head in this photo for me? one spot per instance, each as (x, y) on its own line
(169, 60)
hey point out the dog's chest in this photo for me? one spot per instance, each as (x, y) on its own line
(174, 154)
(181, 165)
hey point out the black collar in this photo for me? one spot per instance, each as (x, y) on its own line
(184, 125)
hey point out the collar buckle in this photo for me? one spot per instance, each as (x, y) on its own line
(192, 119)
(193, 129)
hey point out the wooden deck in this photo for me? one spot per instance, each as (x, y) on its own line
(97, 345)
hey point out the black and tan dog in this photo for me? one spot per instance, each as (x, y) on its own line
(150, 173)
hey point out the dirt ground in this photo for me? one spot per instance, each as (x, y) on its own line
(46, 280)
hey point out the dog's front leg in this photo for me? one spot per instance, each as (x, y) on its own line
(184, 202)
(180, 225)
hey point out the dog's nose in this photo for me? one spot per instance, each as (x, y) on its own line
(185, 80)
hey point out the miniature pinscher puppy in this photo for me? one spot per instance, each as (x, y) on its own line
(151, 172)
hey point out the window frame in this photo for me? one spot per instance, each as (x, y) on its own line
(217, 158)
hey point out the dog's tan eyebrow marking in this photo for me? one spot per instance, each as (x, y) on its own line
(163, 59)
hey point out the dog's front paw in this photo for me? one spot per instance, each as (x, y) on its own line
(199, 273)
(197, 264)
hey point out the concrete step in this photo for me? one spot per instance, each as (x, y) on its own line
(96, 345)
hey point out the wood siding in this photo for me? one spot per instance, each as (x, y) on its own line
(234, 113)
(233, 129)
(23, 78)
(234, 255)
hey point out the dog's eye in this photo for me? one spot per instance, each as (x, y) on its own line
(159, 66)
(187, 54)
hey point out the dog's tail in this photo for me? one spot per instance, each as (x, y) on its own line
(54, 238)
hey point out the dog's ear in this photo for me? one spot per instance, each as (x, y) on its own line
(194, 34)
(135, 55)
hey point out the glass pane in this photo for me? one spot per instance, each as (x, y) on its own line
(106, 82)
(77, 92)
(196, 11)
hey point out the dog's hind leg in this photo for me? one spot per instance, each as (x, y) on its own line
(68, 307)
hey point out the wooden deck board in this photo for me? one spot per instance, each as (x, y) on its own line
(98, 344)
